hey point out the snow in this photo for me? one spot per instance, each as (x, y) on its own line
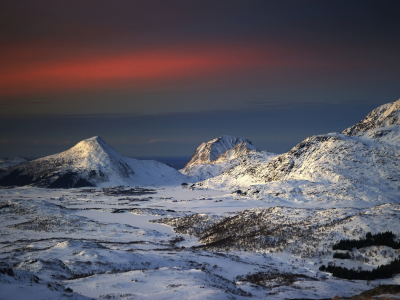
(256, 212)
(210, 151)
(384, 116)
(97, 252)
(12, 161)
(130, 257)
(23, 285)
(91, 162)
(327, 167)
(95, 154)
(218, 155)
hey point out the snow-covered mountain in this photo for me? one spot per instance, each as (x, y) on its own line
(12, 161)
(384, 116)
(216, 150)
(364, 156)
(216, 156)
(89, 163)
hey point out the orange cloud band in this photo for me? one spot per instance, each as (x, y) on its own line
(133, 69)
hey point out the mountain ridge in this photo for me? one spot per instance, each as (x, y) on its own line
(361, 158)
(217, 155)
(383, 116)
(91, 162)
(12, 161)
(210, 152)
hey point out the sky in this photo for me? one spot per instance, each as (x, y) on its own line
(158, 78)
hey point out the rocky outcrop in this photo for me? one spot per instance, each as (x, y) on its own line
(216, 150)
(218, 155)
(383, 116)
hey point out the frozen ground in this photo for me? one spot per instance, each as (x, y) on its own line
(98, 243)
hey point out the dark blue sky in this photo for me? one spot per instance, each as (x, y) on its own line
(160, 77)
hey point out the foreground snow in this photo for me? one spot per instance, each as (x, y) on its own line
(99, 244)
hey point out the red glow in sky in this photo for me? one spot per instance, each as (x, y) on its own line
(26, 73)
(196, 60)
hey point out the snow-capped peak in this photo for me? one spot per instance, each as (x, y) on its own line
(214, 157)
(94, 147)
(382, 116)
(210, 152)
(91, 162)
(93, 144)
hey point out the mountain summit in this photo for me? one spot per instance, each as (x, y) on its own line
(91, 162)
(214, 157)
(216, 150)
(382, 116)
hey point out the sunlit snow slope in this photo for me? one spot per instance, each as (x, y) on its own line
(364, 156)
(89, 163)
(216, 156)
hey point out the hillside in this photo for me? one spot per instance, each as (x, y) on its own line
(91, 162)
(364, 160)
(220, 154)
(12, 161)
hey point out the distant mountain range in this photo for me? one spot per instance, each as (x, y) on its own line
(363, 159)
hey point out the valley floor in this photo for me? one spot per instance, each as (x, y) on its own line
(99, 244)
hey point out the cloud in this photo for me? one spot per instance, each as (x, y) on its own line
(141, 69)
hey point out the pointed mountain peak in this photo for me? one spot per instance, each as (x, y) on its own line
(93, 146)
(382, 116)
(93, 140)
(210, 152)
(91, 162)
